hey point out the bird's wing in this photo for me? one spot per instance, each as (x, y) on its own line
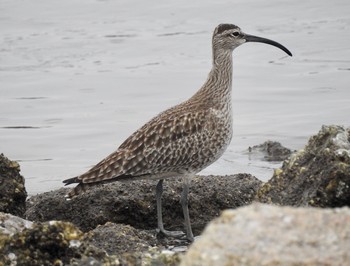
(167, 144)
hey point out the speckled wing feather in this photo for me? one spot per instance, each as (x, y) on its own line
(174, 142)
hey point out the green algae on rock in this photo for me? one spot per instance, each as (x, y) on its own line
(12, 191)
(61, 243)
(318, 175)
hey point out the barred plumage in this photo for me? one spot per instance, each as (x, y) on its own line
(182, 140)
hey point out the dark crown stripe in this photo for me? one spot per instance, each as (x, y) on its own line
(223, 27)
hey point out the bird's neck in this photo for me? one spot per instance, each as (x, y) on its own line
(216, 91)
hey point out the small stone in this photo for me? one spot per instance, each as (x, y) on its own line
(270, 151)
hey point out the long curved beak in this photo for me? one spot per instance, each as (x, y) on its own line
(251, 38)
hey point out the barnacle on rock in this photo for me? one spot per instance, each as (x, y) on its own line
(317, 176)
(43, 244)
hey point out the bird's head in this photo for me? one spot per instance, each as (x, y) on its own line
(228, 36)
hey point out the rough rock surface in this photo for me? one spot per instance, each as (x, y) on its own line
(269, 235)
(132, 246)
(12, 191)
(10, 224)
(119, 238)
(318, 176)
(59, 243)
(134, 203)
(270, 151)
(51, 243)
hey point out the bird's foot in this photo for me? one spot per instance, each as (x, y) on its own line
(175, 234)
(179, 235)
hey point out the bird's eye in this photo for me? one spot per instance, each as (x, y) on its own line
(235, 34)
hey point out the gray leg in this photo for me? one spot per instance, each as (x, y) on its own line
(159, 192)
(184, 204)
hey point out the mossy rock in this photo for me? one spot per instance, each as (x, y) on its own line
(318, 175)
(43, 244)
(12, 190)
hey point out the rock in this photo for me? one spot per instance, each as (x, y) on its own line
(134, 203)
(271, 235)
(270, 151)
(131, 246)
(51, 243)
(132, 239)
(61, 243)
(119, 238)
(10, 224)
(12, 191)
(318, 176)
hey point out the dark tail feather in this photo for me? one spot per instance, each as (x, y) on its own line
(80, 188)
(71, 181)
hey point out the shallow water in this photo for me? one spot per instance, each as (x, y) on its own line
(78, 77)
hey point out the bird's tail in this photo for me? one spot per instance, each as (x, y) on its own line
(71, 181)
(79, 189)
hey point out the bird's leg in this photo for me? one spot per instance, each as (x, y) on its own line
(159, 192)
(184, 204)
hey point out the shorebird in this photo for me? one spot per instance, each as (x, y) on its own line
(182, 140)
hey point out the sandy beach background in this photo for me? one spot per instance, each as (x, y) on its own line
(78, 77)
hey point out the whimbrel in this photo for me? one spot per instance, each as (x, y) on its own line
(182, 140)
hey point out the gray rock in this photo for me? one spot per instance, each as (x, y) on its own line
(61, 243)
(119, 238)
(270, 235)
(270, 151)
(10, 224)
(51, 243)
(134, 203)
(318, 175)
(129, 246)
(12, 191)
